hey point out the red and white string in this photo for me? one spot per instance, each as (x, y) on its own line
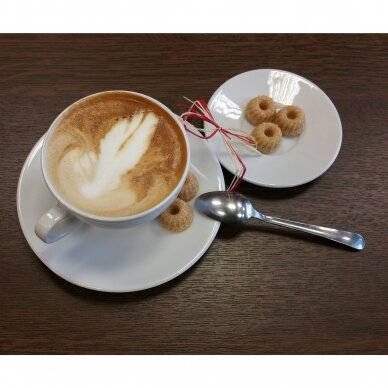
(200, 110)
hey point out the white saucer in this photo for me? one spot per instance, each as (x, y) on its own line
(119, 260)
(297, 160)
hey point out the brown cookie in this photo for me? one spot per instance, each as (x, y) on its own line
(290, 119)
(190, 188)
(267, 137)
(260, 109)
(177, 217)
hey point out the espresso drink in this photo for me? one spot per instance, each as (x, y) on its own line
(116, 154)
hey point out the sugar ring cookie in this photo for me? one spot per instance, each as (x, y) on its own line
(190, 188)
(177, 217)
(260, 109)
(290, 119)
(267, 137)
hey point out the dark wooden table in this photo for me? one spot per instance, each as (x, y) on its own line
(258, 289)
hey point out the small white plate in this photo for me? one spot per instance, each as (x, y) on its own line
(119, 260)
(297, 160)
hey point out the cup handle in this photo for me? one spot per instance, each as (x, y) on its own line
(55, 224)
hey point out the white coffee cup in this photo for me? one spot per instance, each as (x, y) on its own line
(61, 219)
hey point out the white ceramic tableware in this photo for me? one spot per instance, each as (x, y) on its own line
(119, 260)
(297, 160)
(64, 217)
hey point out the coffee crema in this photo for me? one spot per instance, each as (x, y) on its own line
(116, 154)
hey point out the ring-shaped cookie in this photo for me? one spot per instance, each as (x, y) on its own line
(190, 188)
(177, 217)
(290, 119)
(267, 137)
(260, 109)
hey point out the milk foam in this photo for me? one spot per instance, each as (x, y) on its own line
(120, 150)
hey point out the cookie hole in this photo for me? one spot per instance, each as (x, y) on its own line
(291, 115)
(263, 105)
(174, 210)
(269, 132)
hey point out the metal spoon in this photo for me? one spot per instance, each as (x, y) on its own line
(234, 208)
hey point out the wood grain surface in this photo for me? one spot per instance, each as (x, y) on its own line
(258, 289)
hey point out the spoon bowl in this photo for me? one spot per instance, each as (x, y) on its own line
(225, 206)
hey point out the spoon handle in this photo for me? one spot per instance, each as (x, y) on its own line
(353, 240)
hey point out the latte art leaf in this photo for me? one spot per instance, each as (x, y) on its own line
(120, 150)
